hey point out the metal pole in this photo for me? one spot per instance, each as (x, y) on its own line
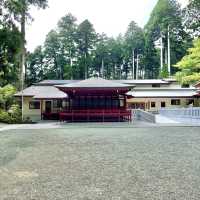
(161, 52)
(133, 70)
(23, 52)
(22, 85)
(86, 69)
(71, 65)
(137, 67)
(169, 56)
(102, 68)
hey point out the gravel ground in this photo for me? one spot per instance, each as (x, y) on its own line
(91, 163)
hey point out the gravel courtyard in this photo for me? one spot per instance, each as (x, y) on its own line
(88, 163)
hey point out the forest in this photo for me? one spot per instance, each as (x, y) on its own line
(76, 51)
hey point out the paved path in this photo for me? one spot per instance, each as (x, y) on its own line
(161, 119)
(165, 120)
(152, 163)
(61, 125)
(161, 122)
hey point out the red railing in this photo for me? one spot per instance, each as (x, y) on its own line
(96, 115)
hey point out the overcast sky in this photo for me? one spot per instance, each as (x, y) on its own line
(109, 16)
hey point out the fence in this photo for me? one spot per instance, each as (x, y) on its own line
(193, 112)
(138, 114)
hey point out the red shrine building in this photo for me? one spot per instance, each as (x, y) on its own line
(93, 99)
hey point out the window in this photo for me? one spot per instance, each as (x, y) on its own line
(34, 105)
(155, 85)
(175, 102)
(57, 103)
(163, 104)
(153, 104)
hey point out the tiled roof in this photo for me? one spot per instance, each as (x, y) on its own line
(144, 81)
(163, 93)
(42, 92)
(95, 83)
(56, 82)
(132, 82)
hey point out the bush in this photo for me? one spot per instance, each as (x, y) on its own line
(4, 116)
(13, 115)
(6, 96)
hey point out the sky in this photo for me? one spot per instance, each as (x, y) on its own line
(108, 16)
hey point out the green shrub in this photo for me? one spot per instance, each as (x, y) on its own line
(13, 115)
(7, 96)
(4, 116)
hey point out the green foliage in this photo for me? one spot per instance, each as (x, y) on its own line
(168, 13)
(134, 38)
(150, 59)
(15, 114)
(4, 116)
(164, 73)
(76, 51)
(191, 16)
(86, 38)
(12, 116)
(190, 65)
(35, 66)
(9, 51)
(12, 40)
(9, 111)
(134, 41)
(53, 54)
(6, 96)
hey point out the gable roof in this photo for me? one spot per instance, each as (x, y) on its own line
(95, 83)
(42, 92)
(55, 82)
(178, 92)
(143, 81)
(132, 82)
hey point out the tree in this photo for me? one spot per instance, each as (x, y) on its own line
(86, 38)
(134, 41)
(192, 17)
(9, 51)
(35, 66)
(190, 65)
(150, 59)
(67, 28)
(20, 10)
(10, 42)
(53, 55)
(167, 13)
(101, 56)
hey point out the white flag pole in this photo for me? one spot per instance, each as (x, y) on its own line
(137, 67)
(161, 52)
(22, 85)
(102, 68)
(133, 70)
(169, 56)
